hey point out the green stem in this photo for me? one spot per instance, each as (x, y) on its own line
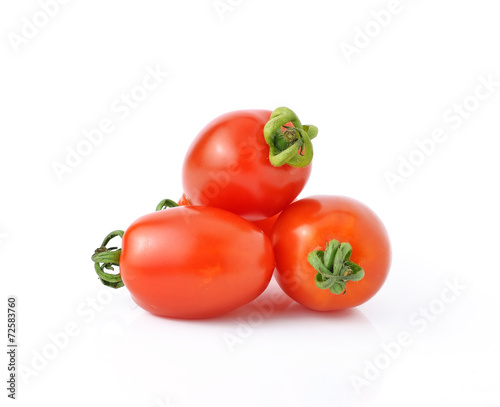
(293, 145)
(334, 267)
(106, 258)
(165, 203)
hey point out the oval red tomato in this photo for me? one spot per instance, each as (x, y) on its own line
(305, 227)
(228, 166)
(194, 262)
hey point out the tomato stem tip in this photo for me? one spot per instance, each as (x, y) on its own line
(292, 145)
(107, 257)
(334, 267)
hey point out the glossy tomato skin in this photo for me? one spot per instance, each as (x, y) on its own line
(194, 262)
(307, 225)
(227, 166)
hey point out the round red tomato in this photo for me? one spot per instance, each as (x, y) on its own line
(192, 262)
(229, 164)
(346, 243)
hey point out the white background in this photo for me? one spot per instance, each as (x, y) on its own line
(370, 109)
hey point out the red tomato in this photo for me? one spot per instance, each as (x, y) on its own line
(228, 166)
(194, 262)
(305, 227)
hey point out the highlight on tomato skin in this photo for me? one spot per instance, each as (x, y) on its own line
(193, 262)
(310, 227)
(229, 164)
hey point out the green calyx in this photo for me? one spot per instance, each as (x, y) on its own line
(289, 144)
(107, 257)
(334, 267)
